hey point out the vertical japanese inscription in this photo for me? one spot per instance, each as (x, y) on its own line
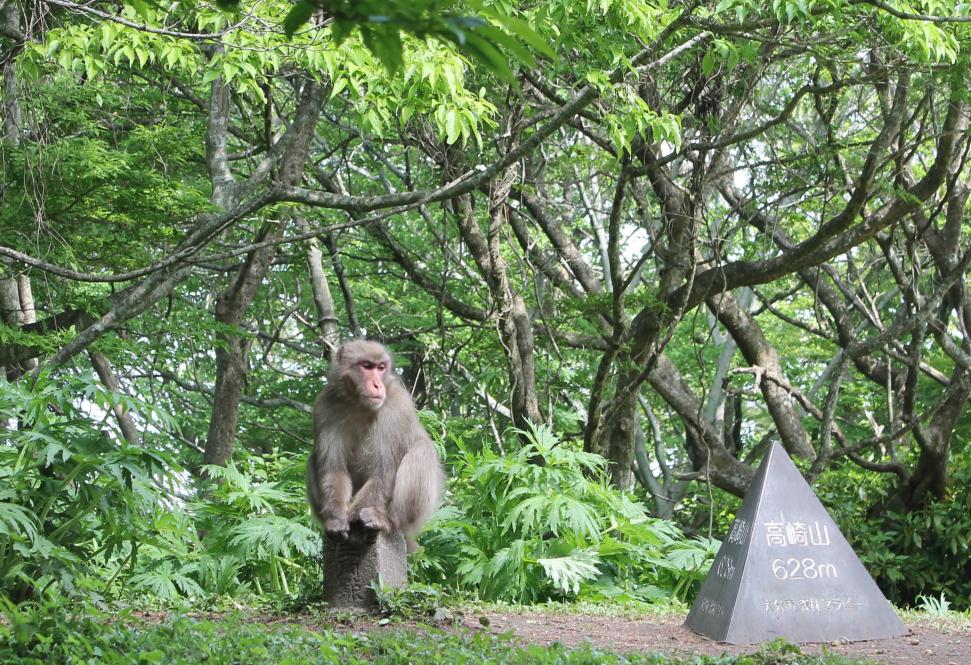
(726, 567)
(739, 531)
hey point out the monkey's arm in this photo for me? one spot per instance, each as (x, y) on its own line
(329, 491)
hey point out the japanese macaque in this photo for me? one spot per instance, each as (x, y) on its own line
(373, 465)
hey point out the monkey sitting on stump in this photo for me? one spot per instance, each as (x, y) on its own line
(373, 471)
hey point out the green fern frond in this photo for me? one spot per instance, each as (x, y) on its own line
(15, 520)
(229, 474)
(566, 573)
(274, 535)
(258, 498)
(567, 513)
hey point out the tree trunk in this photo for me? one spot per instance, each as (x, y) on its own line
(514, 323)
(107, 375)
(327, 320)
(757, 351)
(231, 350)
(702, 440)
(17, 311)
(12, 115)
(622, 444)
(929, 478)
(16, 299)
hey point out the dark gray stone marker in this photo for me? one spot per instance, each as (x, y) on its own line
(351, 566)
(785, 570)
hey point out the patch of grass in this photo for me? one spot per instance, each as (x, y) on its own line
(35, 636)
(429, 603)
(944, 621)
(417, 602)
(630, 609)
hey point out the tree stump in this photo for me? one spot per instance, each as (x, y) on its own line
(351, 566)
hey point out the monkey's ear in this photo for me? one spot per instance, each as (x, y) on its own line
(339, 354)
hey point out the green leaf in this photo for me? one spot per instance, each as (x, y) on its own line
(339, 85)
(496, 36)
(486, 55)
(406, 113)
(451, 126)
(299, 14)
(567, 572)
(374, 119)
(385, 44)
(340, 30)
(525, 32)
(141, 8)
(733, 58)
(17, 520)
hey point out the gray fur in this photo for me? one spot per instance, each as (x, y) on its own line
(377, 467)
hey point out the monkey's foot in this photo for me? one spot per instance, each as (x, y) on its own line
(337, 527)
(374, 518)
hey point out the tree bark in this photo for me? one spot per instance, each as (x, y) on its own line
(17, 311)
(757, 351)
(107, 375)
(231, 350)
(702, 439)
(327, 320)
(12, 114)
(512, 317)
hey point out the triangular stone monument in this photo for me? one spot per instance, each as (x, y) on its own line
(785, 570)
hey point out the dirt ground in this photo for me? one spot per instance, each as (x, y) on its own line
(943, 643)
(931, 641)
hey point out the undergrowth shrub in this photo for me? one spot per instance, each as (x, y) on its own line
(75, 500)
(910, 555)
(248, 533)
(519, 531)
(258, 524)
(84, 513)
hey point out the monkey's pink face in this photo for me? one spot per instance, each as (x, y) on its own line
(370, 376)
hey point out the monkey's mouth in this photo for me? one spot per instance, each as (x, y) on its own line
(374, 402)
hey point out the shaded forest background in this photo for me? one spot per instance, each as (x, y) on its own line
(637, 240)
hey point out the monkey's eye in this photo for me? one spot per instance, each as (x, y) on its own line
(366, 364)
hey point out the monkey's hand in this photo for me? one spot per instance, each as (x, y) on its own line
(337, 527)
(374, 517)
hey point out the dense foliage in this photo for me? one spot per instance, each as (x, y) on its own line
(525, 532)
(918, 555)
(637, 241)
(78, 514)
(75, 505)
